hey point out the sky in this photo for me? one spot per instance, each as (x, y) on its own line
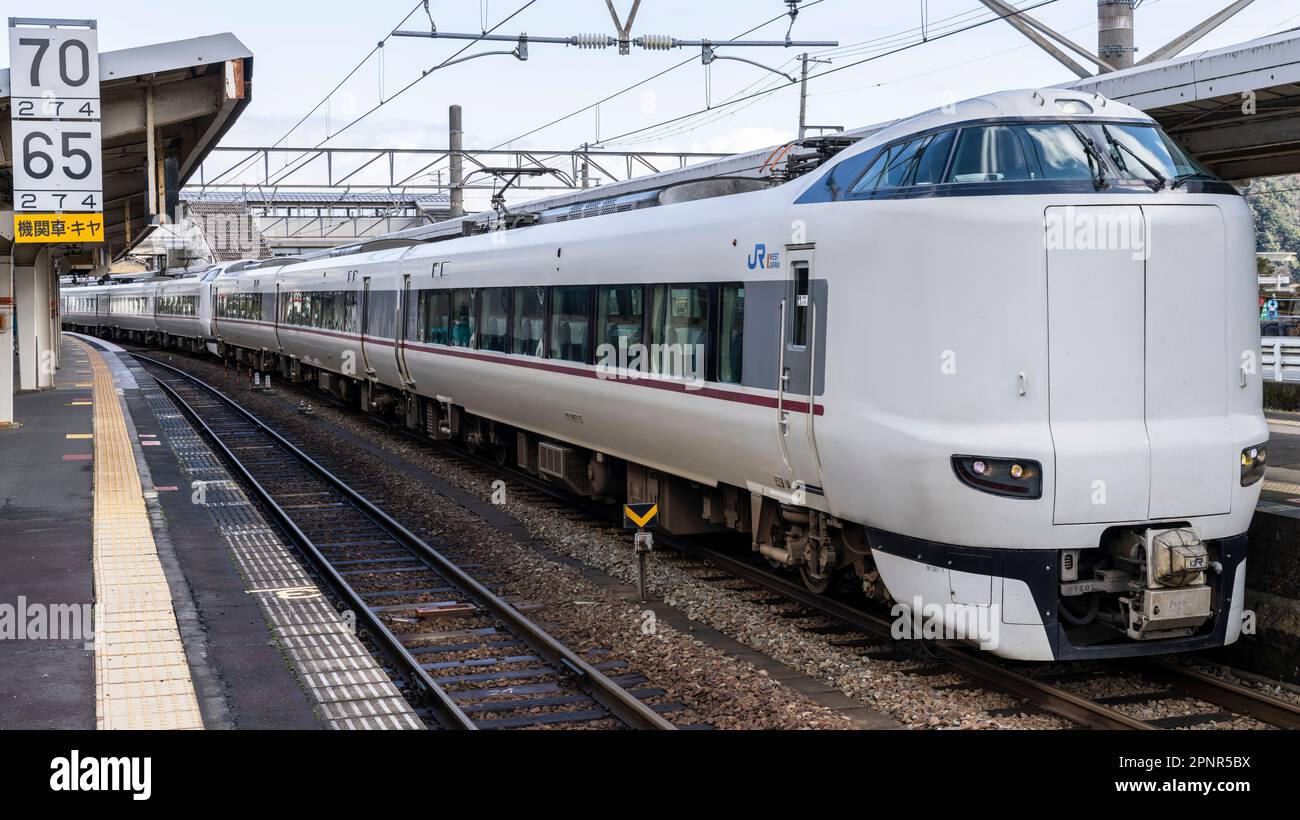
(303, 49)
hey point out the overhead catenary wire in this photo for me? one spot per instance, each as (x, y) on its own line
(659, 133)
(907, 47)
(845, 50)
(309, 154)
(641, 82)
(239, 167)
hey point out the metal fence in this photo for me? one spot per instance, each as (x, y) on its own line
(1280, 359)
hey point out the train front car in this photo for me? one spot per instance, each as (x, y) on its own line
(1040, 376)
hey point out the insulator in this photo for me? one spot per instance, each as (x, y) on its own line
(593, 41)
(656, 42)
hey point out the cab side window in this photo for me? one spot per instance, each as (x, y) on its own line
(892, 169)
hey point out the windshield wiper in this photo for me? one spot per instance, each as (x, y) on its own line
(1159, 181)
(1182, 179)
(1096, 163)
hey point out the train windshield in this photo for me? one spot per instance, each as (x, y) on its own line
(1147, 153)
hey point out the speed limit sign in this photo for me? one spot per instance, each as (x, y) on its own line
(57, 166)
(55, 114)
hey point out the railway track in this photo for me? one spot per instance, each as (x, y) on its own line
(469, 656)
(1048, 691)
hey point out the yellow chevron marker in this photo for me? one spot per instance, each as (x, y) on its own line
(639, 516)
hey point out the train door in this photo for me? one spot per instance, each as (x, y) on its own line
(365, 327)
(212, 315)
(800, 376)
(275, 319)
(404, 308)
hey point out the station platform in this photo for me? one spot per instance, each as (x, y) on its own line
(126, 599)
(1282, 477)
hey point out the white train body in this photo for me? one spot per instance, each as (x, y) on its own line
(1083, 346)
(172, 311)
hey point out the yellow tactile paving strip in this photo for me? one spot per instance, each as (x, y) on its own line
(1282, 487)
(141, 678)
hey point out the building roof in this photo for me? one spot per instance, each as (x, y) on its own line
(257, 196)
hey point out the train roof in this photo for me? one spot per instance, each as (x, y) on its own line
(1029, 103)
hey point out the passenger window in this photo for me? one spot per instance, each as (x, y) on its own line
(530, 318)
(462, 318)
(990, 154)
(433, 316)
(681, 322)
(327, 311)
(350, 316)
(621, 315)
(731, 334)
(570, 308)
(934, 159)
(494, 329)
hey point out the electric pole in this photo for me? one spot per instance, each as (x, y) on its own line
(803, 96)
(456, 134)
(1115, 33)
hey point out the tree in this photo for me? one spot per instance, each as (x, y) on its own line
(1275, 202)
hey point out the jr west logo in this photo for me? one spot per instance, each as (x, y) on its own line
(75, 773)
(760, 259)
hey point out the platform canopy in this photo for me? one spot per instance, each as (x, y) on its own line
(1236, 109)
(164, 107)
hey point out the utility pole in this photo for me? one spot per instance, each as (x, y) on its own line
(1115, 33)
(803, 95)
(456, 134)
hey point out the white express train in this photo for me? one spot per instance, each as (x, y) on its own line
(996, 359)
(173, 310)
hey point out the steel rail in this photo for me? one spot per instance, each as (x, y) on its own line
(450, 714)
(620, 703)
(1240, 699)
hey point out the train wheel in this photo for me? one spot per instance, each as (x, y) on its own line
(501, 454)
(817, 586)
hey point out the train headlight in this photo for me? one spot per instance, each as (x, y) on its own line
(1013, 478)
(1073, 107)
(1253, 462)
